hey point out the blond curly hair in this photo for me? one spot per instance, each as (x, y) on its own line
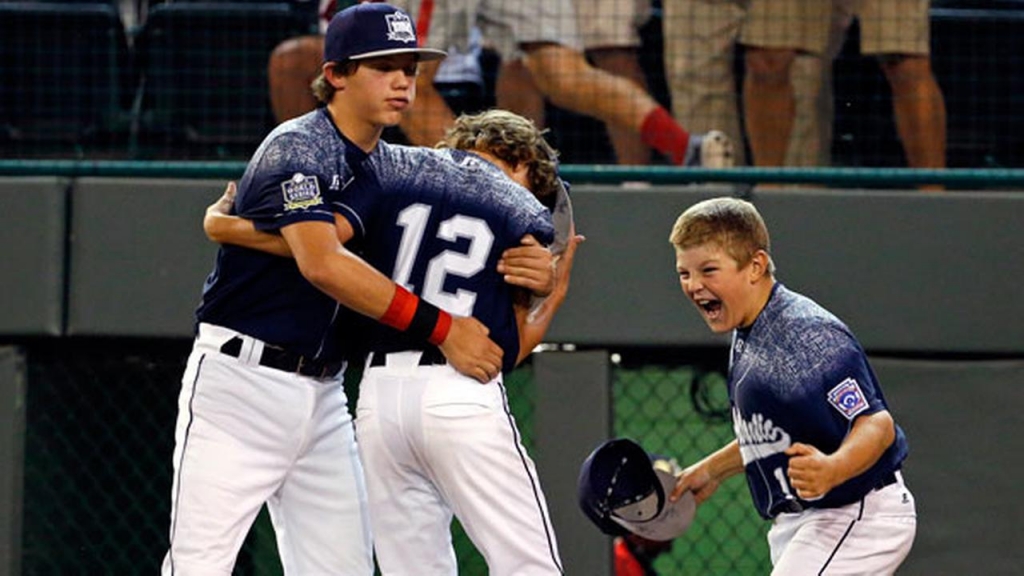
(512, 139)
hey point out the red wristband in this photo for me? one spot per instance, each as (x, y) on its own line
(401, 310)
(441, 329)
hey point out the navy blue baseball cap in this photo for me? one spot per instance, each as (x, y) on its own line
(622, 488)
(373, 29)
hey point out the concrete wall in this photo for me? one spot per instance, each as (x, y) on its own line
(909, 272)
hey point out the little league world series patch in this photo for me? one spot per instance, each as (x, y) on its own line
(848, 398)
(301, 191)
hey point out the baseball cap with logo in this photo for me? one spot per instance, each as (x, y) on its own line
(624, 489)
(373, 29)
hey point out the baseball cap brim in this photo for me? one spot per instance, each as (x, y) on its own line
(425, 54)
(673, 520)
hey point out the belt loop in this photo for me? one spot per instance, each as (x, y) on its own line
(252, 351)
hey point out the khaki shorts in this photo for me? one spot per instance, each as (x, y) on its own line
(800, 24)
(890, 26)
(505, 24)
(611, 23)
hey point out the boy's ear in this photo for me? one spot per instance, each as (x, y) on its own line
(333, 75)
(759, 265)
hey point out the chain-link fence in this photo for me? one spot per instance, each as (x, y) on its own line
(682, 411)
(99, 438)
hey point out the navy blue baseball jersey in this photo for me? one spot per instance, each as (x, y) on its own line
(799, 375)
(436, 222)
(295, 175)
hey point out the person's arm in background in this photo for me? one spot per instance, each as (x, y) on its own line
(534, 320)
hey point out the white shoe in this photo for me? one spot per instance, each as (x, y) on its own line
(712, 149)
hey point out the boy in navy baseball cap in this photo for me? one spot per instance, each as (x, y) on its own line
(373, 29)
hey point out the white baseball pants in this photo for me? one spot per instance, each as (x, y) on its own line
(872, 536)
(248, 435)
(434, 443)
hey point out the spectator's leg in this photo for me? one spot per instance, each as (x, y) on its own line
(823, 111)
(769, 103)
(785, 40)
(700, 40)
(431, 116)
(897, 31)
(806, 146)
(622, 62)
(919, 110)
(292, 67)
(566, 78)
(516, 91)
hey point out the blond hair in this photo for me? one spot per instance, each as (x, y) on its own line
(322, 89)
(512, 139)
(733, 224)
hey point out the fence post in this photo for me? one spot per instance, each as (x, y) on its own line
(573, 415)
(12, 438)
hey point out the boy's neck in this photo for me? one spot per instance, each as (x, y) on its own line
(764, 293)
(363, 134)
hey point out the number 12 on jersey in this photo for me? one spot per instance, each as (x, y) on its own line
(413, 221)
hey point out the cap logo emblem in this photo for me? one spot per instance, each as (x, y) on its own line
(400, 28)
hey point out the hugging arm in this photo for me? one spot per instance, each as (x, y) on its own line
(535, 320)
(323, 260)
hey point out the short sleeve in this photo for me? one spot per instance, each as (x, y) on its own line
(851, 388)
(286, 183)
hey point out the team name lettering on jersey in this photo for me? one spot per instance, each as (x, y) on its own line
(759, 437)
(301, 191)
(400, 28)
(847, 398)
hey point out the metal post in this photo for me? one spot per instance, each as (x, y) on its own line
(12, 441)
(573, 415)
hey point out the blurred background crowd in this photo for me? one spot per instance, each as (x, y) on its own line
(796, 83)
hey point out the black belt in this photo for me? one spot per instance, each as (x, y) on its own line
(792, 506)
(885, 480)
(281, 359)
(430, 357)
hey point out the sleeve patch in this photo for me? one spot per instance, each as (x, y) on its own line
(848, 399)
(300, 192)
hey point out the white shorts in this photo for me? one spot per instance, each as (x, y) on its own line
(505, 24)
(611, 23)
(435, 443)
(248, 435)
(872, 536)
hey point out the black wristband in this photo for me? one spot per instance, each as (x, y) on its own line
(423, 321)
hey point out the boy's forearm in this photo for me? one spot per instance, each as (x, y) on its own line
(725, 462)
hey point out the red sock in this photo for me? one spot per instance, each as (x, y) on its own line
(661, 132)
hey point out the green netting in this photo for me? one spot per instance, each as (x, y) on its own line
(682, 412)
